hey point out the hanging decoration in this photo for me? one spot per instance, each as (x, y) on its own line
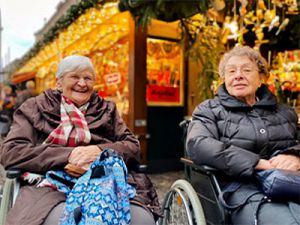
(233, 19)
(237, 16)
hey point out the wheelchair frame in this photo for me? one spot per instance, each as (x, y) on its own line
(9, 193)
(199, 194)
(182, 197)
(196, 198)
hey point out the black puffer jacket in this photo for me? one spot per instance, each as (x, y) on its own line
(232, 136)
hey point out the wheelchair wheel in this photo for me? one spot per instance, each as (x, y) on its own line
(6, 200)
(182, 206)
(8, 196)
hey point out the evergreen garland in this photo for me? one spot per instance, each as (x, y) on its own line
(166, 10)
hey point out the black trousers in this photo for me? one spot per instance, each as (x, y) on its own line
(258, 210)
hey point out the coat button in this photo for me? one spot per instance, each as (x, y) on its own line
(262, 131)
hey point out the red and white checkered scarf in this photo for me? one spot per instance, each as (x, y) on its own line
(73, 129)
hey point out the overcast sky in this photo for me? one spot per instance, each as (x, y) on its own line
(20, 20)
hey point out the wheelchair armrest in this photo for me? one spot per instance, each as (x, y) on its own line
(142, 168)
(210, 169)
(139, 168)
(202, 168)
(13, 173)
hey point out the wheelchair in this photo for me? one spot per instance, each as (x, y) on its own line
(194, 200)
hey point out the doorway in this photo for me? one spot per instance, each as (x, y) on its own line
(165, 144)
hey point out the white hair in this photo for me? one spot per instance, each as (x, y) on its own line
(74, 63)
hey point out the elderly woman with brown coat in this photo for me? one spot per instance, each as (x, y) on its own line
(39, 141)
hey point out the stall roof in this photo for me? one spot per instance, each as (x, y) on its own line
(20, 77)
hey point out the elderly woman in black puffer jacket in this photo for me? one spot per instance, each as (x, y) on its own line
(244, 129)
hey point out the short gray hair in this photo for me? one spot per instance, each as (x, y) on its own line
(252, 54)
(74, 63)
(30, 84)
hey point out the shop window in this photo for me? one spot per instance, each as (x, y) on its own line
(164, 73)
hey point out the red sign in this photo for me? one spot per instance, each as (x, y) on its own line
(158, 93)
(112, 78)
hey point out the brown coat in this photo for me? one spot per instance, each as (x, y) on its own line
(23, 149)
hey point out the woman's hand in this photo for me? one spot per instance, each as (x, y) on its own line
(83, 156)
(73, 170)
(264, 164)
(287, 162)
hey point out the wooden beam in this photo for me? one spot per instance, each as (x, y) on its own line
(137, 79)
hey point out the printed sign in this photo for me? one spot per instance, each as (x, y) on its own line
(158, 93)
(112, 79)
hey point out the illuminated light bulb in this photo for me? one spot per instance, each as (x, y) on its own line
(233, 26)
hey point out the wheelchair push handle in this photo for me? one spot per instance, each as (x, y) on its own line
(13, 173)
(142, 168)
(203, 168)
(184, 123)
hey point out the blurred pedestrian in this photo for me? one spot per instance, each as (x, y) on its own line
(25, 94)
(7, 101)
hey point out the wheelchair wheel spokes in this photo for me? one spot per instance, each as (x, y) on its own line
(182, 206)
(180, 209)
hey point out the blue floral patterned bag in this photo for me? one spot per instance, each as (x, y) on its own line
(100, 196)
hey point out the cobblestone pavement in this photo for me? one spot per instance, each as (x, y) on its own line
(163, 182)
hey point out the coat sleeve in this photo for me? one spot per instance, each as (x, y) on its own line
(124, 142)
(204, 146)
(23, 148)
